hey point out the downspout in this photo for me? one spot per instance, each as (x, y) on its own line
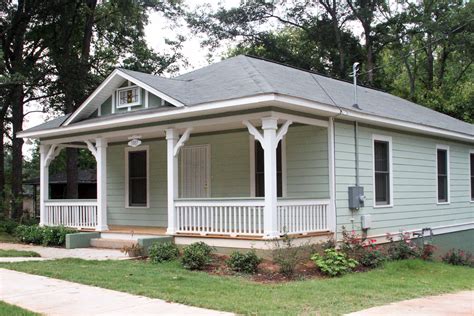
(356, 145)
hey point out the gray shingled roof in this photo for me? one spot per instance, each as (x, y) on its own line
(244, 76)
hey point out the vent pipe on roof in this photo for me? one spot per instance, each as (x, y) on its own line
(355, 69)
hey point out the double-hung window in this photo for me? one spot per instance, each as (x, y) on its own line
(442, 166)
(382, 171)
(471, 160)
(260, 170)
(137, 177)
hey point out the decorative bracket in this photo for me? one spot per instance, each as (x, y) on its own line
(92, 148)
(282, 132)
(254, 132)
(184, 138)
(53, 152)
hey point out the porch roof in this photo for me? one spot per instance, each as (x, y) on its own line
(246, 76)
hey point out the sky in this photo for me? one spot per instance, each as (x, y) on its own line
(156, 31)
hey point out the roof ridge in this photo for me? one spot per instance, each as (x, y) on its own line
(156, 76)
(264, 80)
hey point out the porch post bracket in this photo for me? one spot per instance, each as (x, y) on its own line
(282, 132)
(184, 138)
(254, 132)
(92, 148)
(53, 152)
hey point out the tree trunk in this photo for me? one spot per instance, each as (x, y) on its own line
(17, 152)
(2, 169)
(370, 56)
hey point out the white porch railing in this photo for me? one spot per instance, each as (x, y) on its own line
(71, 213)
(220, 216)
(302, 216)
(244, 217)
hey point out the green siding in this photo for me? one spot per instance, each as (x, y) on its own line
(414, 181)
(106, 107)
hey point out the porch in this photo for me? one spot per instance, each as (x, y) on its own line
(193, 198)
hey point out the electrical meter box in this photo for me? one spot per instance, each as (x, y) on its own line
(356, 197)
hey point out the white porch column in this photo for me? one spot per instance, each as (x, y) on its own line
(172, 137)
(270, 126)
(101, 159)
(44, 182)
(332, 180)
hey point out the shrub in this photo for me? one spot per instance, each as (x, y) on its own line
(287, 255)
(8, 226)
(46, 235)
(427, 252)
(196, 256)
(159, 252)
(372, 258)
(363, 250)
(244, 262)
(458, 257)
(334, 263)
(405, 248)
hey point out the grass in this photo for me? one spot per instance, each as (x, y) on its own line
(12, 310)
(396, 281)
(18, 253)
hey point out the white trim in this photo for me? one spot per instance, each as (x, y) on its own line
(139, 148)
(128, 105)
(112, 105)
(448, 169)
(208, 170)
(146, 99)
(438, 230)
(388, 139)
(332, 175)
(183, 139)
(284, 171)
(471, 152)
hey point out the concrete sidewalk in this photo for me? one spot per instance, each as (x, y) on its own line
(56, 297)
(458, 304)
(59, 253)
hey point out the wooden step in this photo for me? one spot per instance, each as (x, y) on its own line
(111, 243)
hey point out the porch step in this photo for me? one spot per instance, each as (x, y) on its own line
(111, 243)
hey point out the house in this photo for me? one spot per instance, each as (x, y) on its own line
(86, 180)
(246, 149)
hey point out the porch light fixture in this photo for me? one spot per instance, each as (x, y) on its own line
(135, 141)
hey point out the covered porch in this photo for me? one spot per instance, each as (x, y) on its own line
(275, 183)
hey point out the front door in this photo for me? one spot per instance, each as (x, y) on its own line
(195, 166)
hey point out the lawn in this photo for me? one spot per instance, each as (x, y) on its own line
(396, 281)
(18, 253)
(5, 237)
(12, 310)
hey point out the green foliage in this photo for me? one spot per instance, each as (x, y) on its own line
(160, 252)
(334, 263)
(244, 262)
(402, 249)
(134, 250)
(196, 256)
(8, 226)
(287, 255)
(11, 253)
(364, 250)
(43, 235)
(458, 257)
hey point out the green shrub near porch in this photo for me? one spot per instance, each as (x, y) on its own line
(43, 235)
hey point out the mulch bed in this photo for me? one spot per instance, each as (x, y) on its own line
(268, 271)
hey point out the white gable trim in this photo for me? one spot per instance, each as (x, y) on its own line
(118, 72)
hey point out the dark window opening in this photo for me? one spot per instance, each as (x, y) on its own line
(382, 172)
(442, 157)
(137, 178)
(260, 171)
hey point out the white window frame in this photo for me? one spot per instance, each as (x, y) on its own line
(284, 179)
(208, 175)
(131, 149)
(448, 169)
(128, 105)
(471, 152)
(388, 139)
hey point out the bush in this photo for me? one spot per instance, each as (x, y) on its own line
(46, 235)
(8, 226)
(287, 255)
(363, 250)
(427, 252)
(196, 256)
(405, 248)
(244, 262)
(458, 257)
(372, 258)
(334, 263)
(135, 250)
(159, 252)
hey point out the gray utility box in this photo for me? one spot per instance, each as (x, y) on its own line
(356, 197)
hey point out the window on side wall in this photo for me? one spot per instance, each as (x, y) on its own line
(471, 158)
(137, 177)
(260, 170)
(442, 166)
(382, 171)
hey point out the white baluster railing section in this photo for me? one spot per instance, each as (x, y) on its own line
(234, 217)
(71, 213)
(302, 216)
